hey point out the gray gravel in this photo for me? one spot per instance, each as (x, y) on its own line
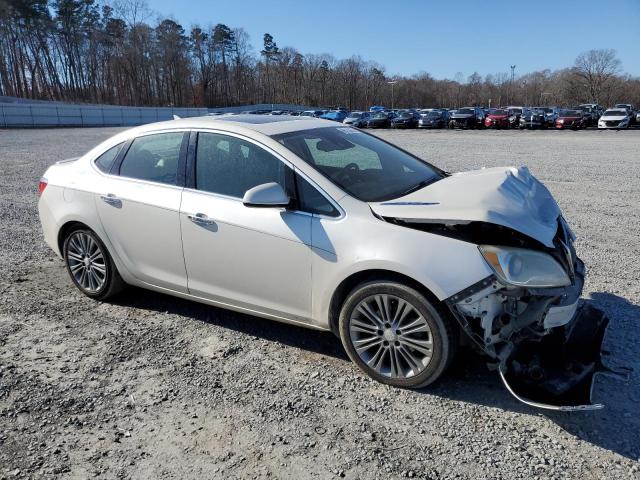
(151, 386)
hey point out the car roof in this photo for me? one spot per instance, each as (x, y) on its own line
(242, 123)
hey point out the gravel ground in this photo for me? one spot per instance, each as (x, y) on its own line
(151, 386)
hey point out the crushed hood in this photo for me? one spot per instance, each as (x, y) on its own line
(506, 196)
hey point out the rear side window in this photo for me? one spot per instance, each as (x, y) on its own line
(153, 158)
(105, 161)
(230, 166)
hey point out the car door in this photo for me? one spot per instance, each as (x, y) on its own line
(257, 259)
(138, 205)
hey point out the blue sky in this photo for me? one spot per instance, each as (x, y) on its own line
(441, 38)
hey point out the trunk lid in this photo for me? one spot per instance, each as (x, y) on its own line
(507, 196)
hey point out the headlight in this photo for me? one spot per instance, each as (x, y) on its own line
(560, 121)
(524, 268)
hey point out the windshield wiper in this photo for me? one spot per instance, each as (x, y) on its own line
(417, 187)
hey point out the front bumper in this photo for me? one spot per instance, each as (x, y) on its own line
(532, 124)
(462, 122)
(613, 124)
(544, 344)
(558, 371)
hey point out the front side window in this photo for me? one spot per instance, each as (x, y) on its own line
(105, 161)
(230, 166)
(362, 165)
(312, 201)
(153, 158)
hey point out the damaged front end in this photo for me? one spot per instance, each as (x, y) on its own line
(544, 344)
(527, 316)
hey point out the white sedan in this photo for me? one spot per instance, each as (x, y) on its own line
(321, 225)
(614, 118)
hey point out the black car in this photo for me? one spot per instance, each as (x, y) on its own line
(405, 120)
(467, 117)
(380, 120)
(434, 119)
(591, 113)
(533, 118)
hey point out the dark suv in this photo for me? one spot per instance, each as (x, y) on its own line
(467, 117)
(405, 120)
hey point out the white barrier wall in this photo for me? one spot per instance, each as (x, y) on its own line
(14, 115)
(42, 114)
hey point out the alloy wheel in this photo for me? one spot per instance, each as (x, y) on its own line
(86, 262)
(391, 336)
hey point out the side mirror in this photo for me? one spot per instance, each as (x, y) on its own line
(267, 195)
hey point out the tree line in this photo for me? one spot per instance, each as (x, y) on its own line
(94, 52)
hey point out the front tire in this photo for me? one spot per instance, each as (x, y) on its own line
(90, 266)
(395, 335)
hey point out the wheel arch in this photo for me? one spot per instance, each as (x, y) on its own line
(348, 284)
(68, 227)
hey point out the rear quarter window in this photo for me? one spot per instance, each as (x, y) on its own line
(105, 161)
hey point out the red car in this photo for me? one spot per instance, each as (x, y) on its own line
(573, 119)
(498, 118)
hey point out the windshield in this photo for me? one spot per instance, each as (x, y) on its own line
(434, 114)
(495, 111)
(362, 165)
(380, 115)
(465, 111)
(355, 115)
(405, 115)
(616, 113)
(570, 113)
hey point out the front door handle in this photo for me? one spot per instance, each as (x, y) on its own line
(112, 200)
(200, 219)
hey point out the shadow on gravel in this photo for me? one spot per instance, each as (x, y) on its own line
(324, 343)
(615, 428)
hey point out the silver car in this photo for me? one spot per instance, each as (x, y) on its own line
(311, 223)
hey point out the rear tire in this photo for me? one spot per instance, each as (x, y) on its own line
(396, 335)
(90, 266)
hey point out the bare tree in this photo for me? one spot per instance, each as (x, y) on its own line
(122, 53)
(596, 68)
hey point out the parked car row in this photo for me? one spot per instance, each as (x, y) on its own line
(581, 116)
(621, 116)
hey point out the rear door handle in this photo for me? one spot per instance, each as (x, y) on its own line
(111, 199)
(200, 219)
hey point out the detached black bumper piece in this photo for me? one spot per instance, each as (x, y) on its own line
(557, 371)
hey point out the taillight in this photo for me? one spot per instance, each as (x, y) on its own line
(42, 185)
